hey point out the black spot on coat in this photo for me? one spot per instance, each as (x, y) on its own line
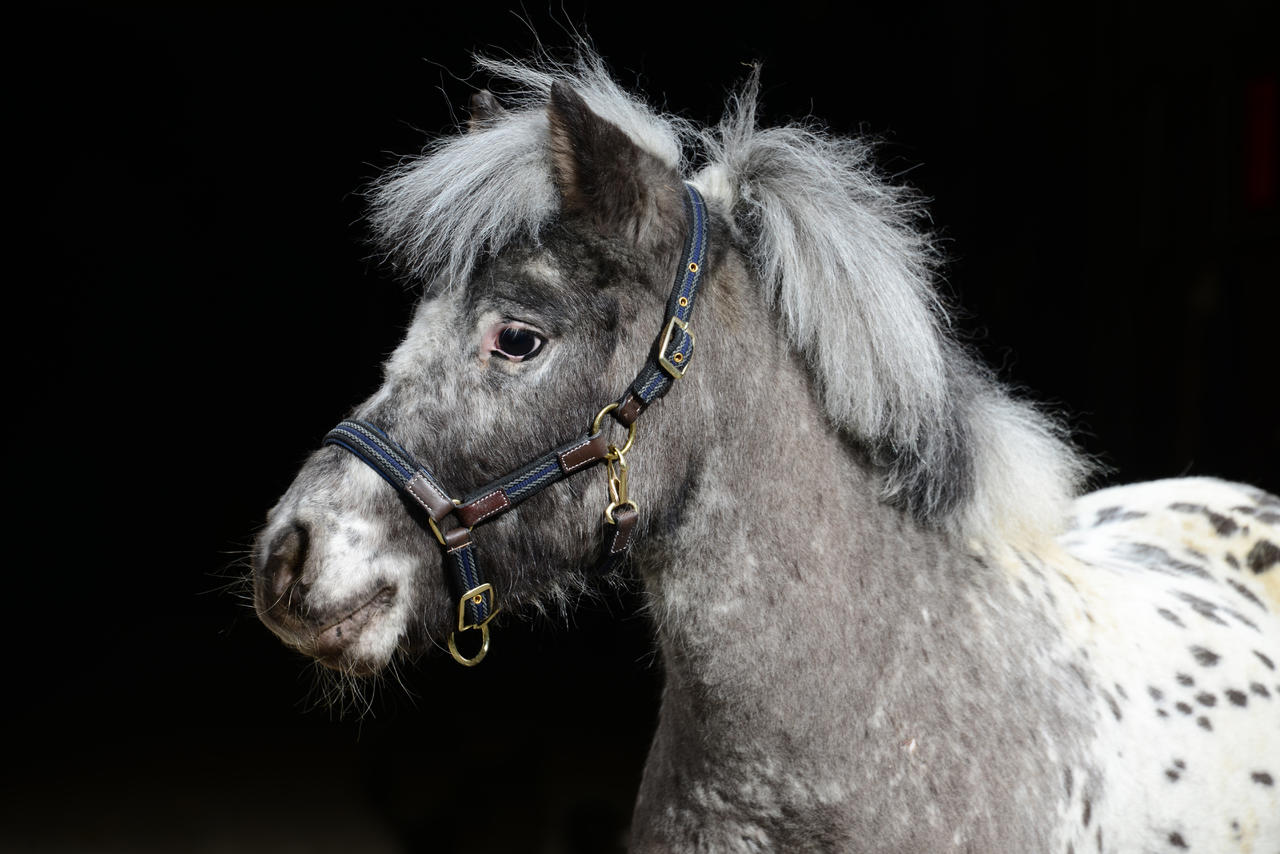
(1155, 558)
(1203, 607)
(1264, 555)
(1225, 526)
(1116, 514)
(1246, 593)
(1113, 705)
(1205, 657)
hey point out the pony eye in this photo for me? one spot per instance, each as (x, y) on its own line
(516, 343)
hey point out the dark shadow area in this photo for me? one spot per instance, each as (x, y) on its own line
(196, 307)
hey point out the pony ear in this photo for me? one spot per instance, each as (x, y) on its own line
(604, 176)
(485, 110)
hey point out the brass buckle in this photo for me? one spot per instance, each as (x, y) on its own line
(476, 594)
(675, 369)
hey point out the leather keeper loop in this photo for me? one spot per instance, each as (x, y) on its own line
(436, 503)
(457, 538)
(629, 409)
(591, 451)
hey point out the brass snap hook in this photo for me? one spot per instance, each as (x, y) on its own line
(617, 470)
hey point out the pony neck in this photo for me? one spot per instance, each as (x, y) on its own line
(786, 558)
(776, 561)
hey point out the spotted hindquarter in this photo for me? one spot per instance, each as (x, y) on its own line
(1171, 592)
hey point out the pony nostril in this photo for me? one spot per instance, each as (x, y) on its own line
(285, 560)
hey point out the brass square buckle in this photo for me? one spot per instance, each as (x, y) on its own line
(476, 595)
(676, 365)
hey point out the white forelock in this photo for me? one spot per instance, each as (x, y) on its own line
(468, 196)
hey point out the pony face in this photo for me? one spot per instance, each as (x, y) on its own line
(491, 373)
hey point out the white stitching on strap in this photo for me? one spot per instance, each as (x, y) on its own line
(506, 502)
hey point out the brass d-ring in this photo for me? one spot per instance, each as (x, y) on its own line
(631, 428)
(463, 660)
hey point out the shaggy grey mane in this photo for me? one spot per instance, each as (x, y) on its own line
(842, 258)
(851, 272)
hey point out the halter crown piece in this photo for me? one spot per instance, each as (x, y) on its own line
(452, 520)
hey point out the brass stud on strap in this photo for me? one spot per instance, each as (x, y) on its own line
(684, 302)
(693, 266)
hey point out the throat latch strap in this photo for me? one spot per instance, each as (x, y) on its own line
(674, 348)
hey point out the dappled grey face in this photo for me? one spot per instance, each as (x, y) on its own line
(494, 371)
(488, 376)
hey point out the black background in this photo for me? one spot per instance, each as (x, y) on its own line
(192, 305)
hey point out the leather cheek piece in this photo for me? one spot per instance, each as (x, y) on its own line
(482, 508)
(591, 451)
(629, 408)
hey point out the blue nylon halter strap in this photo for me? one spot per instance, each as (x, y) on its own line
(380, 452)
(452, 520)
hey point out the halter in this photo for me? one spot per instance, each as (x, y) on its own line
(452, 520)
